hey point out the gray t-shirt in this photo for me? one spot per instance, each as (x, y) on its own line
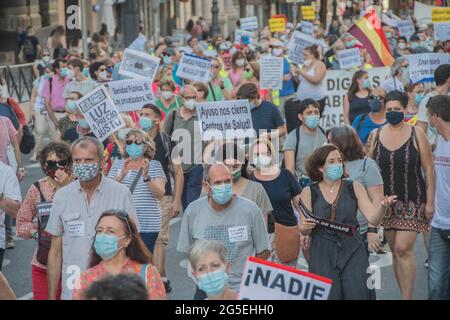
(83, 87)
(366, 172)
(308, 143)
(240, 228)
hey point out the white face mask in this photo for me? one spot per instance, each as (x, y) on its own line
(70, 74)
(307, 63)
(166, 95)
(277, 52)
(103, 75)
(262, 161)
(46, 59)
(240, 62)
(190, 104)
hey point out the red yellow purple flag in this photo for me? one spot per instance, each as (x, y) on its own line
(369, 32)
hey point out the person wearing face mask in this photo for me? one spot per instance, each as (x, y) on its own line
(167, 101)
(183, 121)
(146, 179)
(356, 101)
(70, 120)
(365, 123)
(251, 75)
(80, 82)
(97, 72)
(283, 190)
(401, 48)
(53, 92)
(333, 253)
(75, 211)
(233, 221)
(237, 67)
(311, 77)
(43, 63)
(302, 141)
(56, 163)
(211, 269)
(415, 92)
(42, 123)
(118, 249)
(401, 161)
(220, 88)
(396, 80)
(418, 45)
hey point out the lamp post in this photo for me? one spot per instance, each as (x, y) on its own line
(334, 9)
(130, 21)
(215, 29)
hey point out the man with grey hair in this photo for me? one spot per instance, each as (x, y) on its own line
(182, 124)
(75, 211)
(236, 222)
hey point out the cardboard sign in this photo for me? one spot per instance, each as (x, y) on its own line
(238, 34)
(137, 64)
(307, 27)
(277, 25)
(250, 23)
(308, 12)
(422, 66)
(271, 75)
(441, 31)
(337, 83)
(264, 280)
(298, 42)
(440, 14)
(406, 28)
(132, 94)
(43, 210)
(194, 68)
(349, 58)
(100, 112)
(225, 120)
(139, 43)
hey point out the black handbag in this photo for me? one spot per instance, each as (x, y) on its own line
(28, 142)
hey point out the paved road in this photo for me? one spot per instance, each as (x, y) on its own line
(17, 266)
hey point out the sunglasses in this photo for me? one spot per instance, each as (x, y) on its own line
(102, 69)
(215, 66)
(56, 164)
(122, 215)
(129, 142)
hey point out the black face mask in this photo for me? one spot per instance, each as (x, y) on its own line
(375, 104)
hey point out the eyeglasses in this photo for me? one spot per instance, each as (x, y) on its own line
(135, 142)
(56, 164)
(247, 70)
(122, 215)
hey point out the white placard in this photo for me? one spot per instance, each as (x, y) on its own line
(406, 28)
(250, 23)
(271, 74)
(349, 58)
(100, 112)
(131, 94)
(264, 280)
(139, 43)
(238, 34)
(298, 42)
(337, 83)
(389, 21)
(225, 120)
(194, 68)
(422, 66)
(441, 31)
(137, 64)
(307, 27)
(422, 12)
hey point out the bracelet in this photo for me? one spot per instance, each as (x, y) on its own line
(372, 230)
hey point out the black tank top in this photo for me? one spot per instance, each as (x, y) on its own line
(358, 106)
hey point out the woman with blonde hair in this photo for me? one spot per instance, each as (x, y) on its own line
(57, 41)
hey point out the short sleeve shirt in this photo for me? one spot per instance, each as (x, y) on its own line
(8, 133)
(9, 185)
(266, 117)
(83, 87)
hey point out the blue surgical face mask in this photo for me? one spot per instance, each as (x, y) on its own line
(419, 97)
(146, 124)
(366, 83)
(395, 117)
(64, 72)
(110, 69)
(134, 150)
(71, 106)
(213, 283)
(252, 105)
(106, 246)
(86, 72)
(312, 122)
(83, 123)
(334, 171)
(222, 193)
(167, 60)
(86, 172)
(432, 129)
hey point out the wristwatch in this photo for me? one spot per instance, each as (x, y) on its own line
(147, 179)
(372, 230)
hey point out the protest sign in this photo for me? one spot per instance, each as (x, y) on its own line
(440, 14)
(441, 31)
(225, 120)
(265, 280)
(337, 83)
(277, 25)
(250, 23)
(422, 66)
(132, 94)
(137, 64)
(389, 21)
(238, 34)
(308, 12)
(139, 43)
(349, 58)
(100, 113)
(307, 27)
(422, 12)
(406, 28)
(298, 42)
(271, 74)
(194, 68)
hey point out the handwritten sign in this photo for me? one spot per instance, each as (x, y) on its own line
(441, 31)
(308, 12)
(307, 27)
(422, 66)
(406, 28)
(440, 14)
(132, 94)
(298, 42)
(271, 73)
(277, 25)
(250, 23)
(194, 68)
(349, 58)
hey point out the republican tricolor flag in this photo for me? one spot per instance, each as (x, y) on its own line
(369, 32)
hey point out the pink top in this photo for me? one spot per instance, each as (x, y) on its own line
(57, 101)
(27, 213)
(7, 134)
(235, 76)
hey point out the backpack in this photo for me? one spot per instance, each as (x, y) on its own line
(28, 48)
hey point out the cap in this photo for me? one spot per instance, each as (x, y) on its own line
(245, 40)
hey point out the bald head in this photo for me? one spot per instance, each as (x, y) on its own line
(216, 174)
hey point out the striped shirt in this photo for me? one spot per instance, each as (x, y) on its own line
(147, 206)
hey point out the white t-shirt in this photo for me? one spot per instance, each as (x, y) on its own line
(392, 84)
(441, 218)
(9, 186)
(422, 116)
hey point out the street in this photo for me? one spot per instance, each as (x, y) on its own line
(17, 267)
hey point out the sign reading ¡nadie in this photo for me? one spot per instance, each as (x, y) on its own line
(264, 280)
